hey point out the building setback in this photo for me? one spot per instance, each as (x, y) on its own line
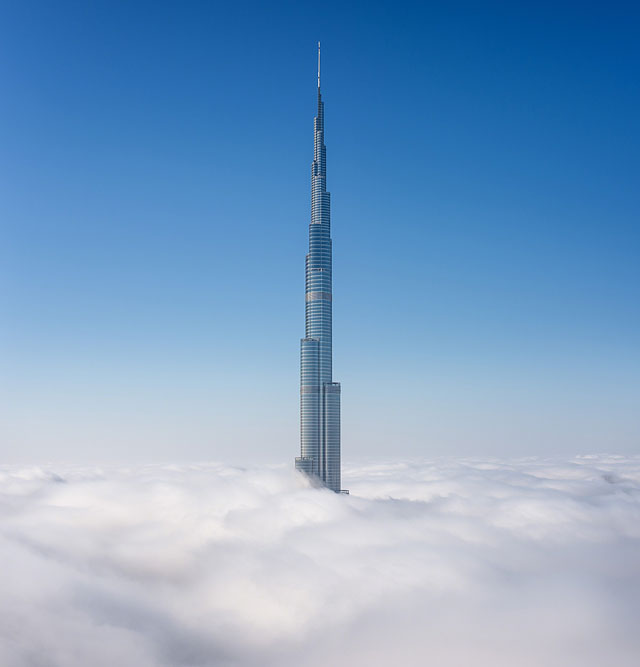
(319, 394)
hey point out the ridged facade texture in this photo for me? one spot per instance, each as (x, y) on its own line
(319, 395)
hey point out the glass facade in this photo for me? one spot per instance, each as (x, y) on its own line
(319, 395)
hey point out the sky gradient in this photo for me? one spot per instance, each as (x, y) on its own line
(483, 163)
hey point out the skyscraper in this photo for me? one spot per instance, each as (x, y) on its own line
(319, 394)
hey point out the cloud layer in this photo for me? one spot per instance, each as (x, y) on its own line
(445, 563)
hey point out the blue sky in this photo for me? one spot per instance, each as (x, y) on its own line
(154, 187)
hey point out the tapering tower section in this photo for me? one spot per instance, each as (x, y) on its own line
(319, 395)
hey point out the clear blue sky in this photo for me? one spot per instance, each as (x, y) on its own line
(484, 166)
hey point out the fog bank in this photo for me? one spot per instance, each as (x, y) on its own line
(444, 562)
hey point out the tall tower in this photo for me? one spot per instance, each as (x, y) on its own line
(319, 395)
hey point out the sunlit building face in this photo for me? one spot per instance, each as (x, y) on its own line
(319, 395)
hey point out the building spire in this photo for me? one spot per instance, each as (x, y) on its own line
(318, 65)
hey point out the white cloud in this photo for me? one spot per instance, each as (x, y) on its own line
(444, 563)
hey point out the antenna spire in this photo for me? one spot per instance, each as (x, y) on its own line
(318, 64)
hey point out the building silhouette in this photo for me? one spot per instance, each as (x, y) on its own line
(319, 394)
